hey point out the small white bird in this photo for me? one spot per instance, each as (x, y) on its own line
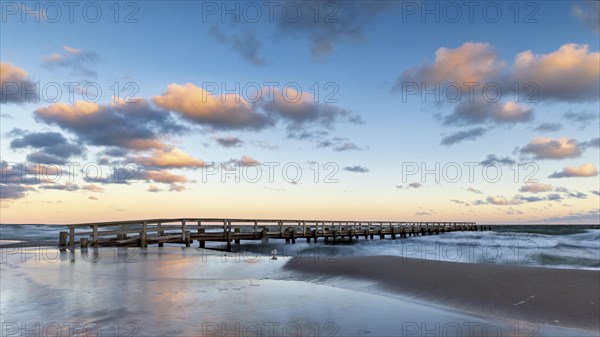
(274, 253)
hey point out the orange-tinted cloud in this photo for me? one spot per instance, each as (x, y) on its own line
(15, 85)
(471, 62)
(585, 170)
(572, 73)
(548, 148)
(229, 111)
(536, 188)
(169, 158)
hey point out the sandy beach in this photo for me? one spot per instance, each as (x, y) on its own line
(558, 297)
(174, 291)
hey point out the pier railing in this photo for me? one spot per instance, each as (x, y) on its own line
(141, 233)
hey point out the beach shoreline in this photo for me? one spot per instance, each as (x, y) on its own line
(552, 297)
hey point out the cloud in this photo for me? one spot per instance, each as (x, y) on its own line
(300, 109)
(245, 44)
(569, 74)
(91, 197)
(536, 188)
(480, 111)
(15, 85)
(585, 170)
(93, 188)
(589, 14)
(590, 143)
(244, 161)
(572, 73)
(66, 187)
(176, 188)
(229, 141)
(169, 158)
(476, 191)
(131, 125)
(411, 185)
(578, 195)
(548, 127)
(425, 212)
(9, 192)
(502, 201)
(79, 61)
(492, 159)
(323, 24)
(228, 112)
(554, 197)
(153, 189)
(592, 216)
(529, 198)
(339, 144)
(162, 176)
(471, 62)
(338, 21)
(346, 147)
(548, 148)
(460, 202)
(460, 136)
(512, 211)
(53, 147)
(582, 118)
(595, 192)
(356, 169)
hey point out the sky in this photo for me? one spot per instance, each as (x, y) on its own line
(337, 110)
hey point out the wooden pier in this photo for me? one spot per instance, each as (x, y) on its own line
(141, 233)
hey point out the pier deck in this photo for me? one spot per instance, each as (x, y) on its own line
(141, 233)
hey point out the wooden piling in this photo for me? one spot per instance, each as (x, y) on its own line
(237, 231)
(62, 239)
(71, 235)
(188, 238)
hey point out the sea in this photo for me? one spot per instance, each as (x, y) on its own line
(179, 291)
(544, 245)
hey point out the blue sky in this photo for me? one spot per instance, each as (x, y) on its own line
(361, 54)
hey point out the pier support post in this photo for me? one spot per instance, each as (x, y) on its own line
(201, 243)
(293, 236)
(71, 235)
(143, 240)
(237, 241)
(84, 243)
(188, 238)
(264, 236)
(62, 239)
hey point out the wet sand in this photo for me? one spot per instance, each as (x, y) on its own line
(558, 297)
